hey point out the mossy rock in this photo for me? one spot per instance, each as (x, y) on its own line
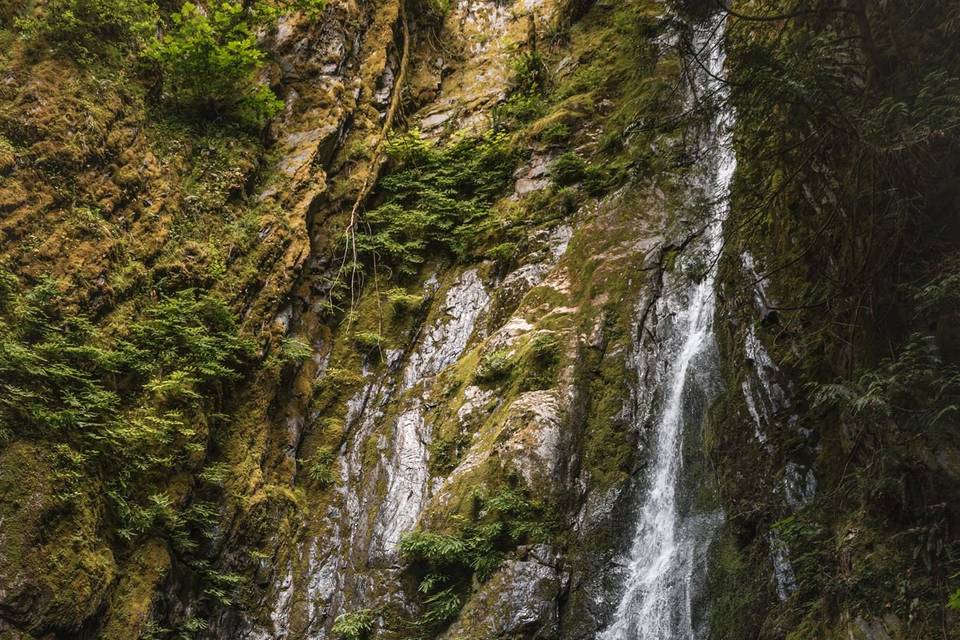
(54, 568)
(133, 598)
(7, 156)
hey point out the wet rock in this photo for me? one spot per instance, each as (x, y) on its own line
(445, 340)
(407, 474)
(533, 176)
(533, 448)
(521, 599)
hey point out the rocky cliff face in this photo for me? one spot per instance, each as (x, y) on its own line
(464, 253)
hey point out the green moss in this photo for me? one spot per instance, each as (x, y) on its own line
(403, 302)
(568, 169)
(494, 366)
(87, 29)
(131, 602)
(608, 449)
(503, 252)
(540, 362)
(7, 156)
(368, 341)
(54, 558)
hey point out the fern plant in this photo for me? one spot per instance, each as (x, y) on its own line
(355, 625)
(449, 562)
(434, 199)
(129, 407)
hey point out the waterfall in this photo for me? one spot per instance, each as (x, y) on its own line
(666, 559)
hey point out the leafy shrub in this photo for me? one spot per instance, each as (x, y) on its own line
(448, 562)
(567, 169)
(83, 28)
(441, 606)
(517, 110)
(555, 134)
(525, 101)
(134, 406)
(209, 63)
(917, 388)
(529, 73)
(503, 252)
(295, 350)
(356, 625)
(435, 548)
(435, 198)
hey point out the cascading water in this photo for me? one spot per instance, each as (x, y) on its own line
(664, 563)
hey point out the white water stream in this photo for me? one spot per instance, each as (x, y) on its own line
(665, 558)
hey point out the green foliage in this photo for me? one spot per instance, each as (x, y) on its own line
(503, 252)
(916, 387)
(541, 360)
(939, 296)
(431, 11)
(567, 169)
(320, 467)
(435, 548)
(402, 302)
(186, 629)
(434, 198)
(447, 563)
(529, 73)
(209, 63)
(134, 406)
(846, 144)
(368, 341)
(295, 350)
(494, 366)
(85, 28)
(224, 588)
(355, 625)
(266, 12)
(518, 110)
(446, 449)
(555, 134)
(440, 607)
(215, 474)
(808, 542)
(525, 99)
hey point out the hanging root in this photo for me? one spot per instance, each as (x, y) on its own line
(375, 164)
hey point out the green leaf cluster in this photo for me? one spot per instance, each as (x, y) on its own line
(133, 406)
(206, 62)
(355, 625)
(209, 61)
(435, 198)
(447, 563)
